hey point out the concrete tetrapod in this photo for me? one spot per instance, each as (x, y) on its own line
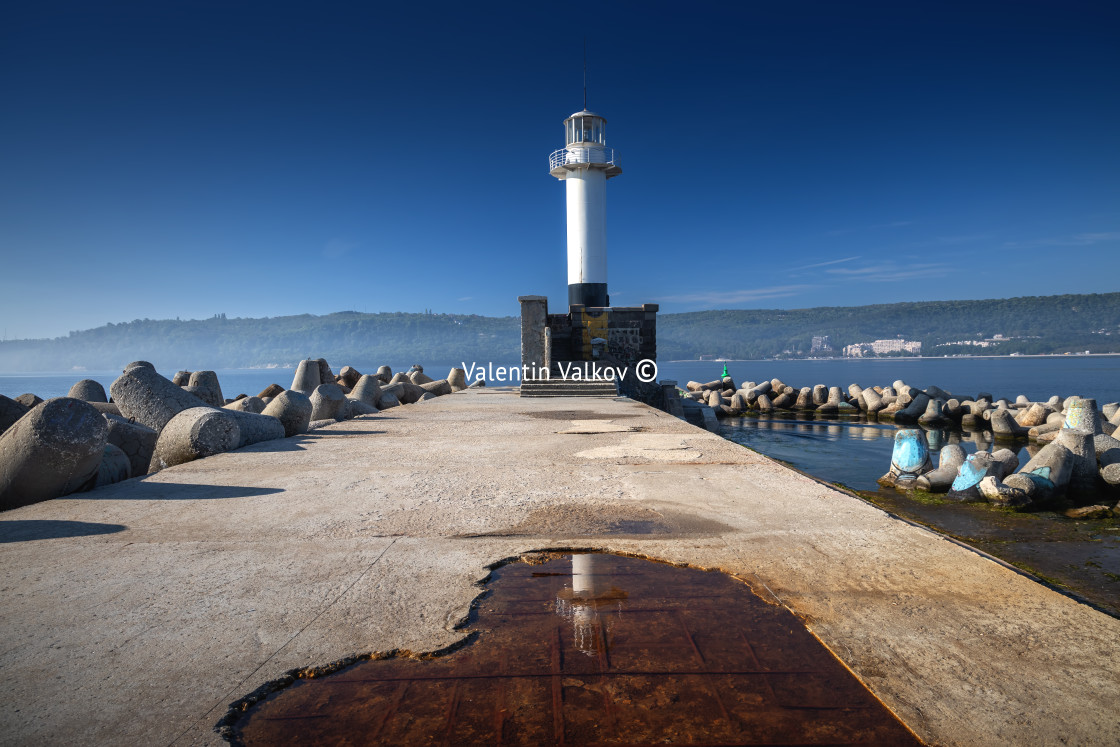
(457, 378)
(934, 414)
(270, 391)
(194, 433)
(909, 459)
(820, 394)
(419, 378)
(385, 374)
(306, 377)
(325, 373)
(292, 409)
(1004, 425)
(115, 467)
(873, 401)
(355, 408)
(181, 378)
(1102, 443)
(367, 390)
(138, 442)
(1046, 476)
(405, 391)
(949, 462)
(10, 412)
(204, 385)
(976, 468)
(1110, 466)
(256, 428)
(915, 409)
(327, 402)
(1033, 416)
(1084, 479)
(438, 388)
(247, 404)
(88, 390)
(148, 398)
(349, 376)
(29, 400)
(785, 400)
(54, 450)
(1083, 414)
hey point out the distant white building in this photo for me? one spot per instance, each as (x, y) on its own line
(821, 344)
(882, 347)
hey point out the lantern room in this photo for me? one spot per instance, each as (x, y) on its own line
(585, 127)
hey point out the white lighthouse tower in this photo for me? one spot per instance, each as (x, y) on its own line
(585, 163)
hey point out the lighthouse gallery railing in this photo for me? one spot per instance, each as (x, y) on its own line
(579, 154)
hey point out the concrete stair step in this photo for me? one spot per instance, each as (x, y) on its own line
(568, 388)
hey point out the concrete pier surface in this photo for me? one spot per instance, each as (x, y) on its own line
(135, 614)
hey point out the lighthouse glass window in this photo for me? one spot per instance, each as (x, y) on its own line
(585, 130)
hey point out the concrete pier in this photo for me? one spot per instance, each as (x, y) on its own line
(135, 614)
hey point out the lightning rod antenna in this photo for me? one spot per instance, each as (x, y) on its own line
(585, 73)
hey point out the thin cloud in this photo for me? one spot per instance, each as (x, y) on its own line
(466, 298)
(746, 295)
(888, 272)
(1077, 239)
(825, 264)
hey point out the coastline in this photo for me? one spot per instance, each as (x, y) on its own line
(899, 358)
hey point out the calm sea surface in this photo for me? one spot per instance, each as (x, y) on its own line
(857, 453)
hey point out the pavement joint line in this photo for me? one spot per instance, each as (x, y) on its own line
(297, 634)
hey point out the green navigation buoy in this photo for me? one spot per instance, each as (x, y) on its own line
(724, 371)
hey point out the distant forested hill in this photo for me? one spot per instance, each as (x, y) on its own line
(344, 338)
(1040, 324)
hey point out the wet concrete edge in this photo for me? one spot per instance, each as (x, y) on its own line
(842, 488)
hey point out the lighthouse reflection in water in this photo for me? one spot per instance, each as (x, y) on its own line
(592, 604)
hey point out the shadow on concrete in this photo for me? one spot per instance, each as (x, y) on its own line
(319, 434)
(24, 530)
(299, 443)
(174, 491)
(294, 443)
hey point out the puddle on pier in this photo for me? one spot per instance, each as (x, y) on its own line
(596, 649)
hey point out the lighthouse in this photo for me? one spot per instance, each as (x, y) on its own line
(584, 164)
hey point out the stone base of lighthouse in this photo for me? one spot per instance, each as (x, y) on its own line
(590, 337)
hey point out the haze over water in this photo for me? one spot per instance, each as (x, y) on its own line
(1036, 377)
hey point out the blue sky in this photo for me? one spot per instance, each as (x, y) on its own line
(182, 159)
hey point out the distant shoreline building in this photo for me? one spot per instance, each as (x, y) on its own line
(821, 344)
(882, 347)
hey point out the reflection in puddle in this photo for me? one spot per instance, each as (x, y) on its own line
(595, 648)
(589, 602)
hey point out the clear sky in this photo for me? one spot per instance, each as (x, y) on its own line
(182, 159)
